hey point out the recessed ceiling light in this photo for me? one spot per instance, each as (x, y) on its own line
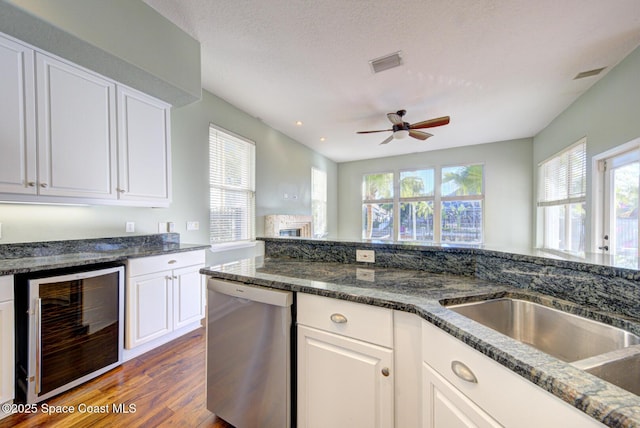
(322, 139)
(299, 123)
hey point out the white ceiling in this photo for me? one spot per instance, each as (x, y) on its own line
(502, 69)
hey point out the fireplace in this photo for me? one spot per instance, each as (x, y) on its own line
(288, 226)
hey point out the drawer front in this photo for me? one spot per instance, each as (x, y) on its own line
(359, 321)
(145, 265)
(6, 288)
(507, 397)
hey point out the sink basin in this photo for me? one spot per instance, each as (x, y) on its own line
(565, 336)
(621, 368)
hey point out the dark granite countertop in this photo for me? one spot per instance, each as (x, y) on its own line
(421, 292)
(37, 256)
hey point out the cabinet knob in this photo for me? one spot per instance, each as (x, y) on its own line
(338, 318)
(463, 372)
(385, 372)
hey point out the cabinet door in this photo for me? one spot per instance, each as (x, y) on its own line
(76, 131)
(17, 119)
(149, 308)
(445, 407)
(6, 352)
(341, 381)
(188, 296)
(143, 148)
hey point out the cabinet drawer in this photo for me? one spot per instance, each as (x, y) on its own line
(6, 288)
(369, 323)
(507, 397)
(145, 265)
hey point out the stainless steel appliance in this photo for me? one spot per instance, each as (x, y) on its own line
(69, 328)
(249, 354)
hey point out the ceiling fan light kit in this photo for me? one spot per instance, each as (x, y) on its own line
(402, 129)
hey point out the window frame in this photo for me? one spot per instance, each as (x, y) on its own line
(566, 203)
(319, 203)
(436, 198)
(248, 235)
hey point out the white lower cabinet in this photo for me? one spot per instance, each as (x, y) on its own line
(164, 295)
(7, 374)
(343, 380)
(464, 388)
(446, 407)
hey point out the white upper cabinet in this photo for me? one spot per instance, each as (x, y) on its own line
(76, 133)
(70, 135)
(143, 147)
(17, 119)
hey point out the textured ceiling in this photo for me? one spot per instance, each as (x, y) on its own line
(502, 69)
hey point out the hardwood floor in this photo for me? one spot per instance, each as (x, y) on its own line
(164, 387)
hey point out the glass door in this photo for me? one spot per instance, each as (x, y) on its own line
(621, 189)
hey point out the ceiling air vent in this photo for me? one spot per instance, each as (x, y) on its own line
(589, 73)
(386, 62)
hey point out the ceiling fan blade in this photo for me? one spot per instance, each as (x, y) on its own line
(431, 123)
(389, 138)
(395, 118)
(419, 134)
(370, 132)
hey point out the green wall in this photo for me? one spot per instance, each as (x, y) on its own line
(281, 163)
(508, 186)
(607, 114)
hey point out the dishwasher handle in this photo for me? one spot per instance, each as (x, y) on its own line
(269, 296)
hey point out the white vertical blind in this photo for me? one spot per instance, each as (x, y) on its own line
(563, 177)
(232, 187)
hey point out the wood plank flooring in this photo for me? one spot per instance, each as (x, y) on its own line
(164, 387)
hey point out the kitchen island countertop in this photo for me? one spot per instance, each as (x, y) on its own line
(421, 292)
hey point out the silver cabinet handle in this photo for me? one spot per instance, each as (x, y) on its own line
(38, 325)
(169, 277)
(338, 318)
(120, 190)
(171, 262)
(463, 372)
(385, 371)
(31, 184)
(43, 185)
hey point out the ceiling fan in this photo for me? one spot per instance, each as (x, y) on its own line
(401, 128)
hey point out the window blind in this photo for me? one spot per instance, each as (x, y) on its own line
(232, 187)
(563, 177)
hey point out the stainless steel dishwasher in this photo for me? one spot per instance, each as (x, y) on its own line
(249, 354)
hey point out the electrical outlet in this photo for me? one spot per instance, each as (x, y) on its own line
(130, 227)
(367, 256)
(193, 225)
(162, 227)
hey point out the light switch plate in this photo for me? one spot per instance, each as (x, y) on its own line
(193, 225)
(130, 227)
(367, 256)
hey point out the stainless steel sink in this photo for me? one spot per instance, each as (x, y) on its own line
(565, 336)
(621, 368)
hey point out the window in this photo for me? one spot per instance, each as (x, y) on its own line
(562, 199)
(431, 205)
(377, 206)
(232, 187)
(461, 204)
(417, 192)
(319, 202)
